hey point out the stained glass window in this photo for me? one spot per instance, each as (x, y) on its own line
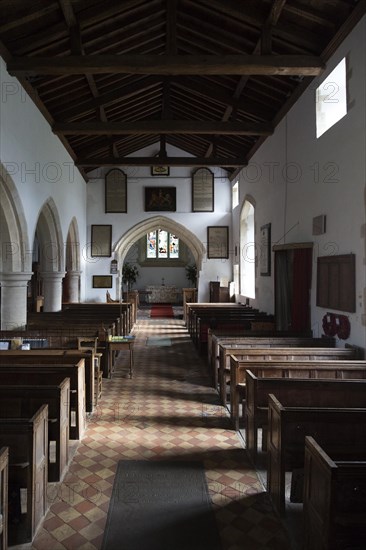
(173, 246)
(161, 244)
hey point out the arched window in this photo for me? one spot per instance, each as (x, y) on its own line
(161, 244)
(247, 251)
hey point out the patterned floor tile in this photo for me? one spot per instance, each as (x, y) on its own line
(168, 409)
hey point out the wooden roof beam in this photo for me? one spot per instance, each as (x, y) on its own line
(163, 127)
(284, 65)
(157, 161)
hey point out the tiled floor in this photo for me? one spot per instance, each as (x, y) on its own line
(168, 409)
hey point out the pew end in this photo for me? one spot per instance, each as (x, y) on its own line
(334, 498)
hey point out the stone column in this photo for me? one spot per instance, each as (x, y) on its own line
(14, 300)
(71, 286)
(52, 290)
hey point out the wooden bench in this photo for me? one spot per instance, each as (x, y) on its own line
(276, 357)
(88, 320)
(296, 344)
(238, 319)
(62, 331)
(26, 374)
(28, 445)
(334, 498)
(19, 400)
(59, 340)
(90, 345)
(4, 476)
(336, 429)
(126, 311)
(123, 315)
(58, 356)
(202, 317)
(294, 390)
(205, 316)
(217, 339)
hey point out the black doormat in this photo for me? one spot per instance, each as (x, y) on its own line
(160, 505)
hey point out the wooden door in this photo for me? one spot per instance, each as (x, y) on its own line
(293, 270)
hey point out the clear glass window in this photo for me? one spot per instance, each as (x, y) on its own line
(331, 99)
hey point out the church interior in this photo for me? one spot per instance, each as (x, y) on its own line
(183, 275)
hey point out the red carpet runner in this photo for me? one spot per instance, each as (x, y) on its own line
(161, 310)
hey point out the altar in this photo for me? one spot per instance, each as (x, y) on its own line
(162, 294)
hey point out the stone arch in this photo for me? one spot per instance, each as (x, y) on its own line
(49, 235)
(71, 281)
(125, 242)
(72, 252)
(14, 237)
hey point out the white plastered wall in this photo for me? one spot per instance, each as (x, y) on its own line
(39, 165)
(187, 222)
(294, 177)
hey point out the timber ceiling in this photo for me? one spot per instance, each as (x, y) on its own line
(211, 77)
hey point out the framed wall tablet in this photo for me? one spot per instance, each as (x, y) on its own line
(160, 170)
(160, 199)
(101, 240)
(102, 281)
(336, 282)
(265, 250)
(218, 241)
(202, 190)
(115, 191)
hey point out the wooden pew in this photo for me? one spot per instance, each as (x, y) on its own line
(90, 345)
(59, 340)
(4, 476)
(27, 441)
(20, 400)
(87, 320)
(276, 357)
(337, 429)
(240, 319)
(334, 498)
(226, 348)
(294, 390)
(205, 316)
(62, 330)
(57, 356)
(124, 314)
(41, 373)
(223, 337)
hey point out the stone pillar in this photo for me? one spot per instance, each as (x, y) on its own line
(71, 286)
(14, 300)
(52, 290)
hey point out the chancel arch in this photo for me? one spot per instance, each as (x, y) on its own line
(127, 240)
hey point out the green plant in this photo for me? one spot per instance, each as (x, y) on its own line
(129, 275)
(191, 274)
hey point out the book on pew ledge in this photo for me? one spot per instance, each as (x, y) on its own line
(128, 338)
